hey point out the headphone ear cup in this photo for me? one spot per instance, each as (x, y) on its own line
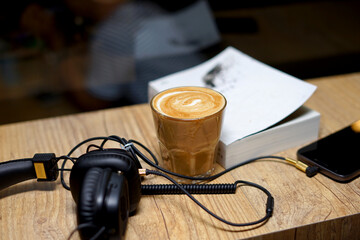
(91, 199)
(103, 203)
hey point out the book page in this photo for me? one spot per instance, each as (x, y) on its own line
(258, 96)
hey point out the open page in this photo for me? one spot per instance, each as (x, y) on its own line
(258, 95)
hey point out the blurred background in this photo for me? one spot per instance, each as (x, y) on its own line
(67, 56)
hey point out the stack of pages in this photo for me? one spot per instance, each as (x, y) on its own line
(264, 113)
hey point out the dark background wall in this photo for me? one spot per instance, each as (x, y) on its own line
(306, 39)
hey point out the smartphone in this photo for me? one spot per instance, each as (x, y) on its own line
(337, 155)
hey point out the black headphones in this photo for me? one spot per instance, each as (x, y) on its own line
(106, 184)
(106, 187)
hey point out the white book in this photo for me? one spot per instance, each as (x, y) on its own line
(258, 97)
(300, 127)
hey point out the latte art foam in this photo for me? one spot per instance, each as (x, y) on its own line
(188, 102)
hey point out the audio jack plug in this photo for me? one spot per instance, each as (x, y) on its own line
(309, 170)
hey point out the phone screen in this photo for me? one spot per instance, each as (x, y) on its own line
(337, 155)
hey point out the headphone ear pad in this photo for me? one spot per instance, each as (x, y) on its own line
(91, 198)
(103, 203)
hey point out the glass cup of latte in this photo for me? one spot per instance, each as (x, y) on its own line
(188, 125)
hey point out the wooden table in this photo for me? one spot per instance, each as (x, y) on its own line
(305, 208)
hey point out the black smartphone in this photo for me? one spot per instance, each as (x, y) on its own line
(337, 155)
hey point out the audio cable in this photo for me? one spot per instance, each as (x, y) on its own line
(187, 189)
(197, 188)
(184, 189)
(171, 189)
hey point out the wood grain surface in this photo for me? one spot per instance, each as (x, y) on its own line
(305, 208)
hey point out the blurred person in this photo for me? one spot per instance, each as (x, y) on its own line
(139, 41)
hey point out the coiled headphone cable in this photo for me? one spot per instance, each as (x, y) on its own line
(269, 203)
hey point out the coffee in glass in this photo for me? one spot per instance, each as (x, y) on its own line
(188, 125)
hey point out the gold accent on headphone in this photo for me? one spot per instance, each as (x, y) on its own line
(40, 170)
